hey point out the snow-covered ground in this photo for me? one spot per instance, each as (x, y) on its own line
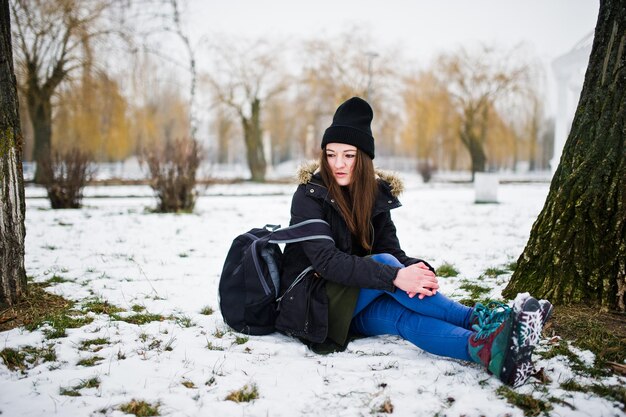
(115, 250)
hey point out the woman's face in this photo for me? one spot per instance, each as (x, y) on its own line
(341, 157)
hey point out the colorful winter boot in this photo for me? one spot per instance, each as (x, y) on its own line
(493, 340)
(504, 339)
(526, 335)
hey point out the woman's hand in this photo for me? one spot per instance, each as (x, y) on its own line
(417, 279)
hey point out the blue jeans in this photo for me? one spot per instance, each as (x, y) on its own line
(436, 323)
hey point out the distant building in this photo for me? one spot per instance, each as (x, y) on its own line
(569, 71)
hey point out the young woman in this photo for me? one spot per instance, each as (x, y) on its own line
(365, 284)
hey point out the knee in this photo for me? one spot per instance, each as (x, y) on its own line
(387, 259)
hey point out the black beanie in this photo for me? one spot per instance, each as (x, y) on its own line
(351, 125)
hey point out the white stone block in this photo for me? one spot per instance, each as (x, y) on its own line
(486, 187)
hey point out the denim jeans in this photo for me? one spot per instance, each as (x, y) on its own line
(436, 323)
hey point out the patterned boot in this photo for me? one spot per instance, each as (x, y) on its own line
(504, 340)
(530, 318)
(546, 310)
(493, 340)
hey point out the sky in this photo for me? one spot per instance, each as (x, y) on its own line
(421, 28)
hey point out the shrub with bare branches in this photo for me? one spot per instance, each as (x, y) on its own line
(173, 170)
(426, 169)
(65, 174)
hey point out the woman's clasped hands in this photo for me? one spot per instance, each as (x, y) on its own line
(417, 279)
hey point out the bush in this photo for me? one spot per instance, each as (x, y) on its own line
(65, 174)
(426, 169)
(173, 170)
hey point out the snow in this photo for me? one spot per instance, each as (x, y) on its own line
(114, 249)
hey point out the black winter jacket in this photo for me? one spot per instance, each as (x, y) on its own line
(303, 308)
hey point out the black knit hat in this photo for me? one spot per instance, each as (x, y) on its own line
(351, 125)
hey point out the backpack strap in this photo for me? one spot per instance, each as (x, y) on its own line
(307, 230)
(300, 232)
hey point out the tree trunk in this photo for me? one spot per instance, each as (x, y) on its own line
(40, 112)
(254, 142)
(12, 206)
(577, 247)
(473, 142)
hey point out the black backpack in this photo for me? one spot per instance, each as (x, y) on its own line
(250, 280)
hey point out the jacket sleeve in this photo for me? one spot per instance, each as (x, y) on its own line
(386, 241)
(332, 263)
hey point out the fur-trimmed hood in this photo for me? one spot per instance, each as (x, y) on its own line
(396, 186)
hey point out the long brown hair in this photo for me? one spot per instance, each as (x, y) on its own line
(356, 201)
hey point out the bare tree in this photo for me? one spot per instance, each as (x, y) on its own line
(53, 40)
(430, 128)
(12, 207)
(477, 82)
(337, 68)
(246, 76)
(576, 252)
(184, 37)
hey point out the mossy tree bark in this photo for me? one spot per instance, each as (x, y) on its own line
(12, 207)
(577, 247)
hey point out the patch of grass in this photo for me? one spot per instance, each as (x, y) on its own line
(99, 306)
(188, 384)
(98, 343)
(140, 408)
(183, 255)
(476, 292)
(555, 400)
(244, 395)
(69, 392)
(529, 405)
(93, 361)
(562, 349)
(612, 392)
(615, 392)
(494, 272)
(33, 308)
(184, 321)
(139, 318)
(447, 270)
(137, 308)
(207, 311)
(56, 279)
(219, 333)
(13, 359)
(75, 390)
(240, 340)
(211, 346)
(512, 266)
(58, 323)
(590, 329)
